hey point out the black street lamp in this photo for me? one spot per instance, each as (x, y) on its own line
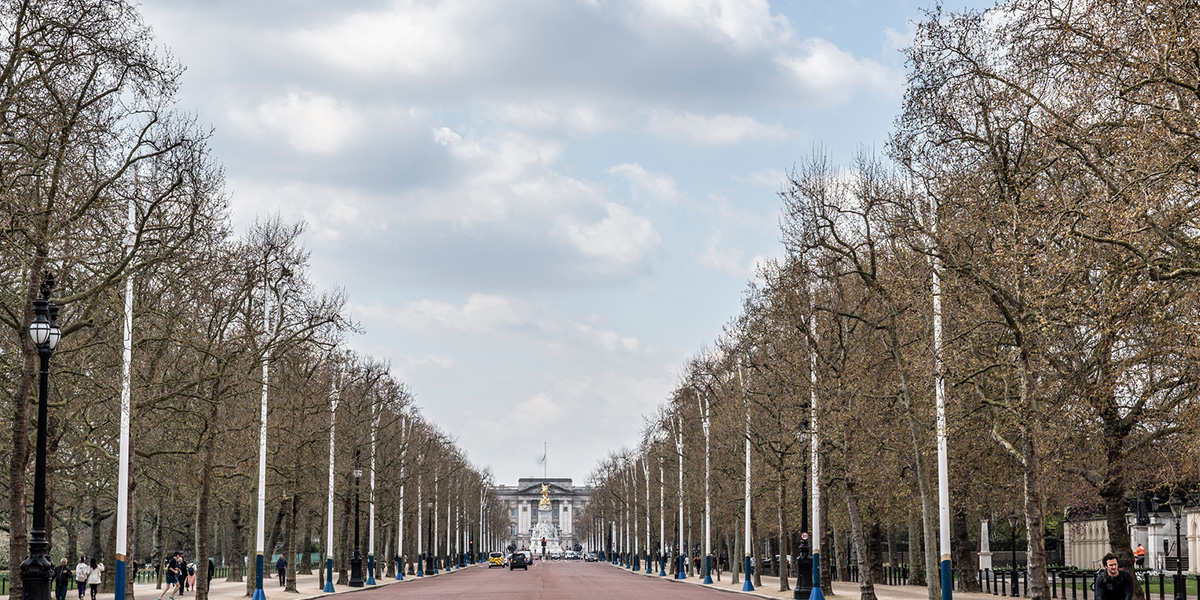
(1180, 583)
(36, 569)
(429, 566)
(356, 573)
(1012, 525)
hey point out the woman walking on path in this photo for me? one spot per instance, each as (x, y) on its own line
(93, 578)
(81, 574)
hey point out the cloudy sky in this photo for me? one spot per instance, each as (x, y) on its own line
(538, 208)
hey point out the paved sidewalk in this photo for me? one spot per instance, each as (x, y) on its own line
(841, 589)
(222, 590)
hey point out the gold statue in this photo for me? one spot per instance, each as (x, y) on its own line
(545, 501)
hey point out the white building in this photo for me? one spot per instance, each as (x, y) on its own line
(521, 501)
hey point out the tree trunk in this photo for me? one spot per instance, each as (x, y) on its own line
(839, 555)
(289, 545)
(306, 545)
(276, 533)
(237, 545)
(202, 507)
(108, 583)
(18, 533)
(344, 544)
(72, 535)
(1035, 519)
(891, 545)
(735, 561)
(866, 579)
(963, 563)
(916, 575)
(158, 547)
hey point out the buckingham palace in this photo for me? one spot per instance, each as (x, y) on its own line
(543, 508)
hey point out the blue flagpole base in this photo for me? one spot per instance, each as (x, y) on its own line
(259, 594)
(662, 566)
(120, 580)
(707, 571)
(947, 580)
(328, 576)
(370, 569)
(746, 585)
(399, 570)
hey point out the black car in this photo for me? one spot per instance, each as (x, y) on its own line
(517, 560)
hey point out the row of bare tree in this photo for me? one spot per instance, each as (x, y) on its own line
(104, 180)
(1046, 169)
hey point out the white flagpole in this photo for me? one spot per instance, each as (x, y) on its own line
(262, 450)
(333, 403)
(814, 425)
(747, 586)
(942, 434)
(679, 451)
(707, 499)
(400, 515)
(371, 502)
(126, 384)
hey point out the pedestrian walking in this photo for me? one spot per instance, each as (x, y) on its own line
(1139, 556)
(1113, 583)
(181, 574)
(281, 569)
(81, 574)
(62, 580)
(93, 579)
(172, 571)
(212, 567)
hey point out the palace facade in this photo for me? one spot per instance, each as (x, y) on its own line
(521, 501)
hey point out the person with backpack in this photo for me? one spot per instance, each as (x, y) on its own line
(1113, 583)
(81, 574)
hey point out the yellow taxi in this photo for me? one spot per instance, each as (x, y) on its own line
(496, 559)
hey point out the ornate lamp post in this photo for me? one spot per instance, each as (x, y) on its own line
(1180, 583)
(1016, 577)
(356, 574)
(36, 569)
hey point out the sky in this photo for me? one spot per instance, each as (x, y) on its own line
(538, 209)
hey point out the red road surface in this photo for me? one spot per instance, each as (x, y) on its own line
(554, 580)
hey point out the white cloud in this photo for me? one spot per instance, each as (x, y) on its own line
(729, 260)
(620, 237)
(408, 38)
(828, 74)
(744, 24)
(719, 130)
(546, 115)
(502, 316)
(773, 180)
(310, 123)
(331, 213)
(656, 186)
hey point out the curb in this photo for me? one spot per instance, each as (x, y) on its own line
(688, 582)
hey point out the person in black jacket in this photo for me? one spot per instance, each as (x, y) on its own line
(1113, 583)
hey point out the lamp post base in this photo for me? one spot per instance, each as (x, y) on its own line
(328, 576)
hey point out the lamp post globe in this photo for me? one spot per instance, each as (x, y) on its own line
(1180, 582)
(1016, 577)
(356, 573)
(36, 570)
